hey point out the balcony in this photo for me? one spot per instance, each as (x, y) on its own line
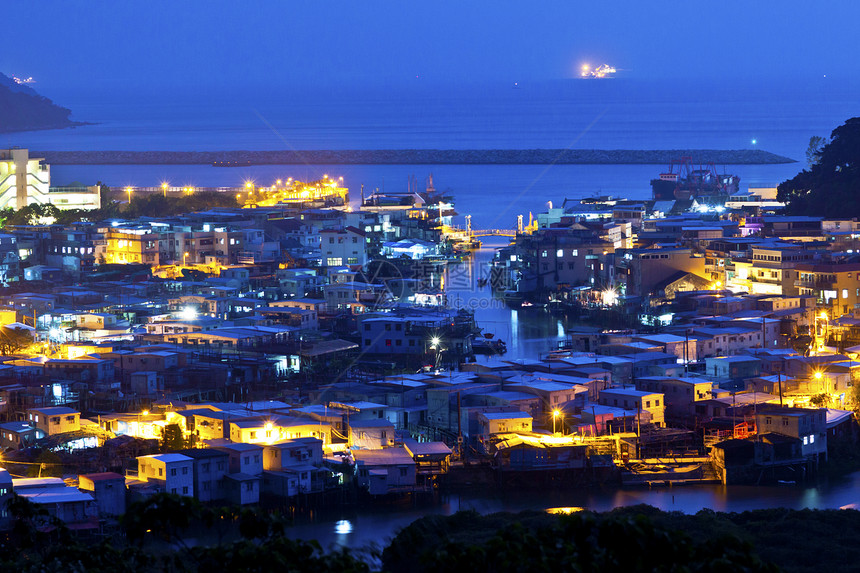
(815, 284)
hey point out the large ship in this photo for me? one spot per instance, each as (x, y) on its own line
(600, 72)
(683, 180)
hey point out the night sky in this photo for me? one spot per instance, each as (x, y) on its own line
(143, 44)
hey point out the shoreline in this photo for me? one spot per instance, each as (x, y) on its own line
(416, 157)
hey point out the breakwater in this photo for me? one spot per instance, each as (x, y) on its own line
(415, 157)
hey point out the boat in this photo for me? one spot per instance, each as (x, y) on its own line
(513, 298)
(684, 181)
(488, 346)
(600, 72)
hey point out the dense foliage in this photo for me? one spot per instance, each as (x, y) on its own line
(630, 542)
(151, 205)
(156, 535)
(831, 186)
(636, 538)
(174, 533)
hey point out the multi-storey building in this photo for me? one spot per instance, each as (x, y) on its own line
(835, 285)
(23, 179)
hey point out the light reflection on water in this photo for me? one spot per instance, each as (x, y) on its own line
(528, 332)
(378, 524)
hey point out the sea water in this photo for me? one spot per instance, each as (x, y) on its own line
(577, 114)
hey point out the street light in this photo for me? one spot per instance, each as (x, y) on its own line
(555, 414)
(184, 257)
(164, 188)
(128, 190)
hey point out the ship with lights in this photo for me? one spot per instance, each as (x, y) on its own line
(600, 72)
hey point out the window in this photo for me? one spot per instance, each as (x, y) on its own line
(173, 490)
(559, 253)
(812, 438)
(172, 472)
(185, 471)
(220, 466)
(247, 459)
(403, 472)
(160, 472)
(206, 486)
(398, 342)
(185, 490)
(249, 486)
(367, 342)
(657, 403)
(256, 458)
(387, 342)
(205, 468)
(647, 403)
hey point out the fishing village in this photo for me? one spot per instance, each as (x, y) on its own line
(298, 343)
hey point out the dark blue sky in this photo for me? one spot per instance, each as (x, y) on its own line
(212, 43)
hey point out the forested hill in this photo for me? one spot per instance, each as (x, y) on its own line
(22, 109)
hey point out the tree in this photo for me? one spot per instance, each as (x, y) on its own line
(578, 542)
(831, 186)
(13, 340)
(47, 464)
(155, 541)
(172, 438)
(813, 152)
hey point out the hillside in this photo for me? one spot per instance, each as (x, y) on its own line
(22, 109)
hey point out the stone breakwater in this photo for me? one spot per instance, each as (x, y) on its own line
(415, 157)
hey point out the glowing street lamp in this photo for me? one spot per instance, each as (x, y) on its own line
(164, 187)
(128, 190)
(184, 258)
(555, 415)
(818, 375)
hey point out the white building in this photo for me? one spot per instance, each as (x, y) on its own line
(343, 247)
(23, 180)
(173, 473)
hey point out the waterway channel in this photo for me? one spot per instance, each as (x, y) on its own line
(358, 527)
